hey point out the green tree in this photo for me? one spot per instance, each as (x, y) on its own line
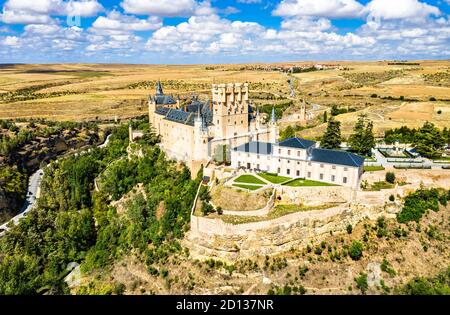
(390, 177)
(429, 141)
(331, 139)
(325, 116)
(356, 250)
(362, 140)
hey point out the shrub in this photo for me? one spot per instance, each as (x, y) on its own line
(219, 210)
(432, 99)
(349, 229)
(390, 177)
(439, 112)
(417, 203)
(361, 282)
(356, 250)
(392, 198)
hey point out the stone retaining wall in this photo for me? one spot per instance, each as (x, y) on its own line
(215, 238)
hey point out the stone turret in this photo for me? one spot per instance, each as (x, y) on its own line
(159, 89)
(274, 133)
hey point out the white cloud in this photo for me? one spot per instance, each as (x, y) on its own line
(165, 8)
(399, 9)
(40, 11)
(319, 8)
(251, 1)
(11, 41)
(23, 17)
(87, 8)
(117, 21)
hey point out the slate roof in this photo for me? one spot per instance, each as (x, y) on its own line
(255, 147)
(336, 157)
(161, 99)
(298, 143)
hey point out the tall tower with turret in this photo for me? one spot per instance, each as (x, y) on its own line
(201, 138)
(274, 133)
(230, 109)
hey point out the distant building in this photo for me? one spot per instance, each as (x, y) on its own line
(300, 158)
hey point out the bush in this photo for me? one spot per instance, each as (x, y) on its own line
(392, 198)
(390, 177)
(432, 99)
(417, 204)
(361, 282)
(219, 210)
(349, 229)
(356, 250)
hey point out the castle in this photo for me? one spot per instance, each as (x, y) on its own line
(196, 132)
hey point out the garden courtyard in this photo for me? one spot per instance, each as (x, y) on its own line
(253, 182)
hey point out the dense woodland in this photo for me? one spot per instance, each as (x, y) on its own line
(75, 223)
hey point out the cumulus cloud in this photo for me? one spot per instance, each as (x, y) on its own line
(164, 8)
(399, 9)
(12, 41)
(117, 21)
(320, 8)
(40, 11)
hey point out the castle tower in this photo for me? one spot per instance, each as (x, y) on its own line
(274, 133)
(230, 109)
(151, 111)
(159, 89)
(201, 138)
(258, 118)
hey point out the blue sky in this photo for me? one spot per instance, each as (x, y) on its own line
(222, 31)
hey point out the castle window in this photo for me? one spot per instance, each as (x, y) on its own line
(289, 161)
(333, 167)
(257, 166)
(289, 152)
(344, 180)
(309, 163)
(345, 169)
(298, 163)
(278, 170)
(321, 165)
(242, 121)
(333, 178)
(298, 173)
(279, 151)
(321, 176)
(309, 174)
(257, 156)
(298, 153)
(288, 171)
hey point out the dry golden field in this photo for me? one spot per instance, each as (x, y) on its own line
(392, 95)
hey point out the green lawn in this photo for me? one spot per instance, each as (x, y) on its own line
(250, 187)
(373, 168)
(273, 178)
(377, 186)
(249, 179)
(307, 182)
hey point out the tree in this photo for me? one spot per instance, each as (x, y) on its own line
(361, 282)
(390, 177)
(325, 116)
(287, 133)
(362, 140)
(429, 140)
(355, 251)
(332, 137)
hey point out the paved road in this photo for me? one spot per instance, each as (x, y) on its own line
(32, 194)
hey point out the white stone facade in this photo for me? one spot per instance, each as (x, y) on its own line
(296, 163)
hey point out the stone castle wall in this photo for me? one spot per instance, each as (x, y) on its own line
(215, 238)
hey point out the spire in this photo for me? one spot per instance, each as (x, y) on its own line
(273, 118)
(159, 89)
